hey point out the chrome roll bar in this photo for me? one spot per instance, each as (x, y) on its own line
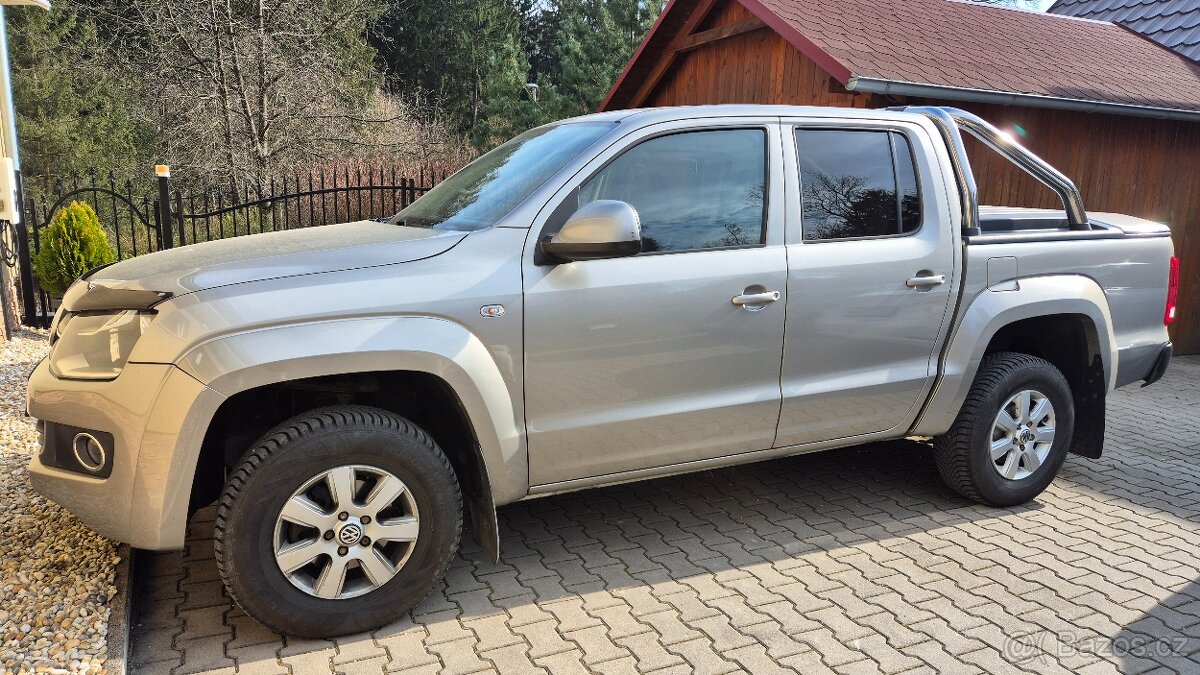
(951, 121)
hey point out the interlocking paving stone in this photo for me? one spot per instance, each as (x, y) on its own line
(262, 658)
(563, 663)
(357, 648)
(851, 561)
(310, 663)
(204, 654)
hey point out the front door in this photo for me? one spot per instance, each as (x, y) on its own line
(646, 361)
(871, 274)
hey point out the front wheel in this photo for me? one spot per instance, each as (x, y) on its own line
(1012, 434)
(340, 520)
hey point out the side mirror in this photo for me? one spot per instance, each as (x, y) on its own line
(601, 229)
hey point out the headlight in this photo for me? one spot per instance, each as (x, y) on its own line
(95, 346)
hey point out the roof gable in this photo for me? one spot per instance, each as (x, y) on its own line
(955, 45)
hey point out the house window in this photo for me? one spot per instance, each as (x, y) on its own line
(856, 183)
(694, 190)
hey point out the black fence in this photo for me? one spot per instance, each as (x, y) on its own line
(148, 218)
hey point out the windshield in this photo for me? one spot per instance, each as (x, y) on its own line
(487, 189)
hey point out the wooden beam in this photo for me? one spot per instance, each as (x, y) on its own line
(668, 56)
(719, 33)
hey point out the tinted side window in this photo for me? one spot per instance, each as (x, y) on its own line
(857, 183)
(695, 190)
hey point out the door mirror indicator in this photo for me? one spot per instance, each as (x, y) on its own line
(601, 229)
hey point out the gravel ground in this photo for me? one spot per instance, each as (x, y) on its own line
(56, 575)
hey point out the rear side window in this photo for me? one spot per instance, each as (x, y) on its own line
(857, 183)
(692, 191)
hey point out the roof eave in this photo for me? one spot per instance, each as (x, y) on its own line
(828, 62)
(872, 85)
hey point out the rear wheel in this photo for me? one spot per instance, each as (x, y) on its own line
(1012, 434)
(340, 520)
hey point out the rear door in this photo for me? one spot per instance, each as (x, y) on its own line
(645, 362)
(871, 274)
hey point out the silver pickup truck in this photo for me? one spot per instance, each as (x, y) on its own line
(605, 299)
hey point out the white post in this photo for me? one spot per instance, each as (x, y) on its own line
(10, 151)
(6, 98)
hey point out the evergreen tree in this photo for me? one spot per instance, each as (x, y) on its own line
(73, 111)
(507, 105)
(539, 28)
(593, 40)
(450, 52)
(472, 59)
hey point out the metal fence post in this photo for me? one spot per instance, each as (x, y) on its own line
(179, 216)
(29, 308)
(164, 204)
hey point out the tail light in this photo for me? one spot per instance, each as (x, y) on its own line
(1172, 292)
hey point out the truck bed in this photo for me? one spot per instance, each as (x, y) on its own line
(1002, 224)
(1126, 256)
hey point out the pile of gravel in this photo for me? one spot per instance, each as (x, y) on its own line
(56, 575)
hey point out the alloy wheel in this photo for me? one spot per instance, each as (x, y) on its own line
(346, 532)
(1022, 434)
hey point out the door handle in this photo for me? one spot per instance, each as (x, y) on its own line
(753, 301)
(926, 281)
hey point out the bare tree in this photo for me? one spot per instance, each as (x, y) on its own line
(833, 197)
(847, 206)
(249, 88)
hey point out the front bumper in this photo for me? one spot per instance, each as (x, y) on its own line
(157, 415)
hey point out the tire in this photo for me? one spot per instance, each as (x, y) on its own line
(345, 587)
(964, 454)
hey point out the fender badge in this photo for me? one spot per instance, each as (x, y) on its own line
(492, 311)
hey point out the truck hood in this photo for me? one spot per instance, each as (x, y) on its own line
(270, 255)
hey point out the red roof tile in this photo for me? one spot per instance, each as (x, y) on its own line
(953, 43)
